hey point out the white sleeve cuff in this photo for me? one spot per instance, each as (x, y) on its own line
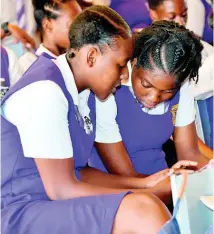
(107, 130)
(186, 108)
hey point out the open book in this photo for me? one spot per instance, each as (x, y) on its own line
(193, 216)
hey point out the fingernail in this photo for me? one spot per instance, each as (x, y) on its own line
(171, 171)
(28, 45)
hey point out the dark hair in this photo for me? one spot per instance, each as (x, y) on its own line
(83, 4)
(97, 25)
(153, 4)
(46, 9)
(171, 48)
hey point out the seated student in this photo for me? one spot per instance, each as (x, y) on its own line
(10, 70)
(53, 19)
(48, 128)
(133, 124)
(176, 10)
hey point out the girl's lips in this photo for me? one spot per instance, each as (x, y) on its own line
(149, 105)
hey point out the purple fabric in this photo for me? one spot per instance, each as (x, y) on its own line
(208, 31)
(25, 206)
(142, 134)
(20, 14)
(135, 12)
(5, 66)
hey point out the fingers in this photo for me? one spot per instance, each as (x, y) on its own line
(22, 36)
(160, 176)
(184, 164)
(178, 171)
(30, 44)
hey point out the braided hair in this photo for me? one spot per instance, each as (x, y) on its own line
(97, 25)
(170, 47)
(46, 9)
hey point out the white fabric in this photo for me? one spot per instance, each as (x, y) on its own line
(40, 113)
(107, 129)
(207, 51)
(196, 16)
(43, 49)
(8, 14)
(15, 70)
(204, 88)
(28, 58)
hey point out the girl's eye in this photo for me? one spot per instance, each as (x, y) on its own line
(169, 91)
(145, 85)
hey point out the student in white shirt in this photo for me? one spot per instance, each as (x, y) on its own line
(53, 19)
(176, 10)
(47, 185)
(133, 124)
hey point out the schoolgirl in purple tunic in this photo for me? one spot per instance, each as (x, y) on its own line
(143, 116)
(177, 11)
(53, 19)
(48, 129)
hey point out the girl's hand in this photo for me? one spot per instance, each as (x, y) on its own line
(187, 165)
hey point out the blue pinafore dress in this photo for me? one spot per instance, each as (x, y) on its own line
(143, 134)
(25, 207)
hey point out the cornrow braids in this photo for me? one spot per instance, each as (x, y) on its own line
(97, 25)
(46, 9)
(170, 47)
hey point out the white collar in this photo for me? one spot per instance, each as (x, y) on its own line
(67, 74)
(43, 49)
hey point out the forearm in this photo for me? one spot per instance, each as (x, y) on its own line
(96, 177)
(123, 165)
(93, 176)
(2, 34)
(205, 150)
(194, 155)
(80, 189)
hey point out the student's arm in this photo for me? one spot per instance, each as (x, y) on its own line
(60, 182)
(109, 141)
(186, 144)
(116, 159)
(157, 184)
(185, 135)
(20, 35)
(61, 186)
(39, 111)
(204, 149)
(193, 7)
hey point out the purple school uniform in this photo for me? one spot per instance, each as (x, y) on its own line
(143, 134)
(208, 31)
(135, 12)
(5, 66)
(25, 207)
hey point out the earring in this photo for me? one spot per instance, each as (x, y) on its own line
(71, 55)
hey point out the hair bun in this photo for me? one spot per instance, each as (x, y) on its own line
(39, 4)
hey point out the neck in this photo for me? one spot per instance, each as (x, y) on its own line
(51, 46)
(79, 75)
